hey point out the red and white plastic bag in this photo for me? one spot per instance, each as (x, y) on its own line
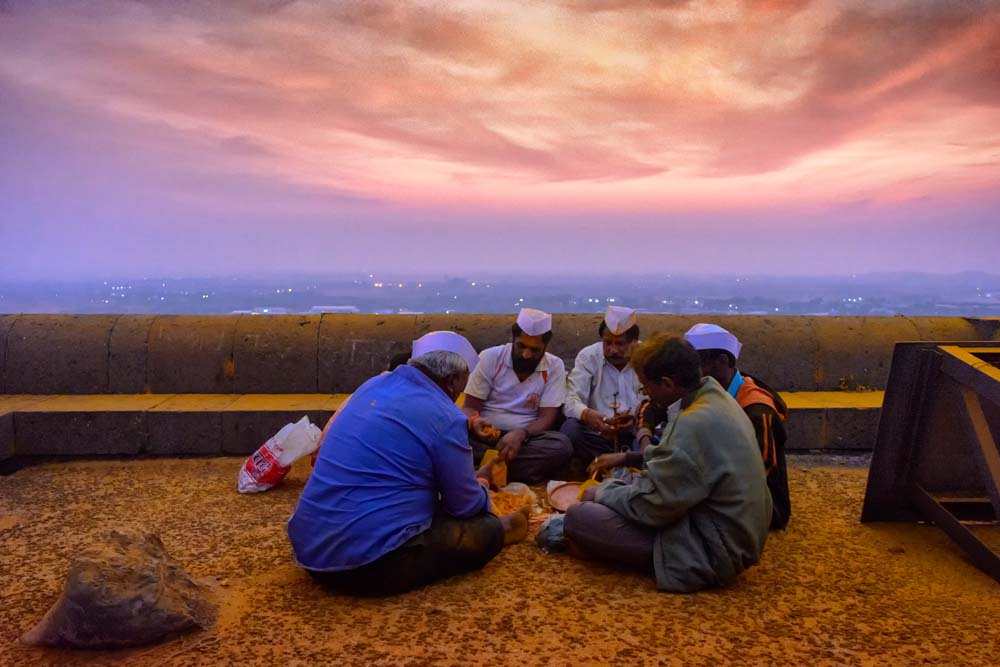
(272, 460)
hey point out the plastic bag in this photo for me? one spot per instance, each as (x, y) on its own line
(512, 497)
(551, 537)
(272, 460)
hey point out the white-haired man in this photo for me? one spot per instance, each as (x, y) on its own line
(392, 503)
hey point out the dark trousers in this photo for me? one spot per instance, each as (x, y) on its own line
(600, 533)
(587, 445)
(450, 546)
(539, 457)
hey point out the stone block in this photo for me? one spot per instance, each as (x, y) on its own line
(276, 354)
(244, 432)
(571, 332)
(127, 352)
(188, 424)
(79, 433)
(858, 350)
(806, 429)
(780, 350)
(482, 331)
(6, 323)
(191, 354)
(6, 436)
(987, 328)
(851, 429)
(354, 348)
(250, 420)
(58, 354)
(944, 329)
(173, 433)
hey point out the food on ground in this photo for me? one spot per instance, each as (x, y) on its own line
(505, 503)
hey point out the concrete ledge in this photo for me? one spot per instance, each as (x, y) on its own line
(88, 354)
(158, 424)
(171, 424)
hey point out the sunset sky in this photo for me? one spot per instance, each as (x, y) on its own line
(779, 137)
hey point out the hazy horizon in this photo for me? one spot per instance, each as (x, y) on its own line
(572, 138)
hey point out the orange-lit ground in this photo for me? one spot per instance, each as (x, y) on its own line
(829, 591)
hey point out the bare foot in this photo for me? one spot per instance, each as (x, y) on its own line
(515, 526)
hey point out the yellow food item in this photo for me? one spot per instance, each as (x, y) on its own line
(489, 456)
(505, 503)
(500, 474)
(491, 434)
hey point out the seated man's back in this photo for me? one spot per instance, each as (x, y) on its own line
(398, 444)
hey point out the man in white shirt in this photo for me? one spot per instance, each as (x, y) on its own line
(603, 390)
(519, 388)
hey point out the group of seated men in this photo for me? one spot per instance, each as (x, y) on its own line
(398, 496)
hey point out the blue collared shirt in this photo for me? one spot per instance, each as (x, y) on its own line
(397, 453)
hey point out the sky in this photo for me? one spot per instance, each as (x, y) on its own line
(197, 137)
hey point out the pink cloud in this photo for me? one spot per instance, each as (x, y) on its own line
(572, 108)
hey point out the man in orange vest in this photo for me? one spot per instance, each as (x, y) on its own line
(719, 351)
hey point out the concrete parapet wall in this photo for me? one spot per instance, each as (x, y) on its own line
(334, 353)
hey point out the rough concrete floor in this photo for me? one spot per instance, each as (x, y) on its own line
(828, 592)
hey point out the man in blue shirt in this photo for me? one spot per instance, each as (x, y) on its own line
(392, 503)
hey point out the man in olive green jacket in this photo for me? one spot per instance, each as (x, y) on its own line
(698, 513)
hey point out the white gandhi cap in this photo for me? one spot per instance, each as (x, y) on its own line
(534, 322)
(713, 337)
(620, 319)
(446, 341)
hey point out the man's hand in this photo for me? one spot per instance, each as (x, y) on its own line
(623, 423)
(606, 461)
(485, 474)
(483, 430)
(510, 444)
(596, 422)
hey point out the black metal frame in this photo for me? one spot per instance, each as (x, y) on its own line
(910, 456)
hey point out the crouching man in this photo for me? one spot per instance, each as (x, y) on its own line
(698, 513)
(393, 502)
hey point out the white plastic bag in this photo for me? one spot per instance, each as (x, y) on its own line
(272, 461)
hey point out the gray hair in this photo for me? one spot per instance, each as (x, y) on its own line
(440, 364)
